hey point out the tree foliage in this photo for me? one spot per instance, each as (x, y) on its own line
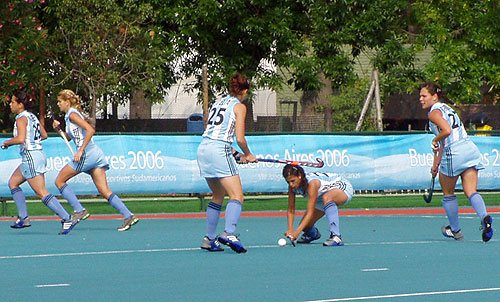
(22, 42)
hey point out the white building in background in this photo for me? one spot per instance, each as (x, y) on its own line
(179, 104)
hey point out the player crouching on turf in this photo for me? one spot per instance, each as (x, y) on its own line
(325, 191)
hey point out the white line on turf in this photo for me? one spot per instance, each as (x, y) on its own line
(198, 249)
(52, 285)
(375, 269)
(447, 292)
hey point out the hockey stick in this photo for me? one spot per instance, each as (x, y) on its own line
(319, 163)
(437, 159)
(292, 242)
(63, 135)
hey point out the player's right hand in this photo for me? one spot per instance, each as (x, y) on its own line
(56, 124)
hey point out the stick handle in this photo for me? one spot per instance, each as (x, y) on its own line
(63, 135)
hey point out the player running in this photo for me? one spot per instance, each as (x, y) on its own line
(28, 134)
(460, 158)
(325, 191)
(217, 165)
(88, 158)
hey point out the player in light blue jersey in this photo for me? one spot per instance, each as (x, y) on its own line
(325, 192)
(88, 158)
(217, 165)
(460, 158)
(28, 134)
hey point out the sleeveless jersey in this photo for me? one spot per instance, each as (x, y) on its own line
(458, 132)
(328, 181)
(221, 120)
(33, 140)
(76, 133)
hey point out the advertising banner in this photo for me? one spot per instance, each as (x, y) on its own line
(153, 164)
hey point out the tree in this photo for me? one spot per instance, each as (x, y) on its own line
(107, 47)
(464, 36)
(22, 44)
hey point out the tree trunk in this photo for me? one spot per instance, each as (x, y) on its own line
(140, 108)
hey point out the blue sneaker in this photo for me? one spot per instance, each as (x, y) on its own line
(305, 238)
(21, 223)
(232, 241)
(68, 225)
(211, 245)
(334, 240)
(486, 226)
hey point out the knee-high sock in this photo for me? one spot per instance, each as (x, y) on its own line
(450, 204)
(68, 193)
(332, 214)
(477, 202)
(233, 212)
(20, 200)
(118, 204)
(213, 214)
(53, 203)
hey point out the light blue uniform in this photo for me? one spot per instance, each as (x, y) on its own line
(34, 160)
(328, 182)
(214, 155)
(92, 157)
(459, 152)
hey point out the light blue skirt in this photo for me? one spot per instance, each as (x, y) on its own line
(345, 186)
(33, 163)
(92, 158)
(459, 157)
(215, 159)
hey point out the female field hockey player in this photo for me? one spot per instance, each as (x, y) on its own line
(28, 134)
(460, 158)
(88, 158)
(217, 165)
(325, 191)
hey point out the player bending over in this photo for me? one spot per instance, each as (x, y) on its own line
(325, 191)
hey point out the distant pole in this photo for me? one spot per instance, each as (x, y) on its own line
(377, 102)
(365, 107)
(205, 95)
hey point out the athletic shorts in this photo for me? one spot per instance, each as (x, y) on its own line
(345, 186)
(459, 157)
(215, 159)
(33, 163)
(92, 158)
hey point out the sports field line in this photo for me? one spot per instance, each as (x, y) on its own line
(447, 292)
(359, 212)
(169, 250)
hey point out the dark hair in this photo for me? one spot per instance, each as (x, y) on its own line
(237, 84)
(295, 170)
(433, 88)
(23, 98)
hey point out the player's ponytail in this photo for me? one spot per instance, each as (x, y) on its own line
(237, 84)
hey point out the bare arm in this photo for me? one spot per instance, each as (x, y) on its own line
(21, 133)
(240, 111)
(290, 214)
(76, 119)
(445, 130)
(312, 191)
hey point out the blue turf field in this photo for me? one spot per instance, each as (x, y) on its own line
(386, 258)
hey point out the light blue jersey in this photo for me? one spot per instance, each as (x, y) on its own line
(221, 120)
(458, 132)
(92, 157)
(33, 140)
(328, 182)
(76, 133)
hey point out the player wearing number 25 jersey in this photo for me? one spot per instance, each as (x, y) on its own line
(459, 158)
(226, 120)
